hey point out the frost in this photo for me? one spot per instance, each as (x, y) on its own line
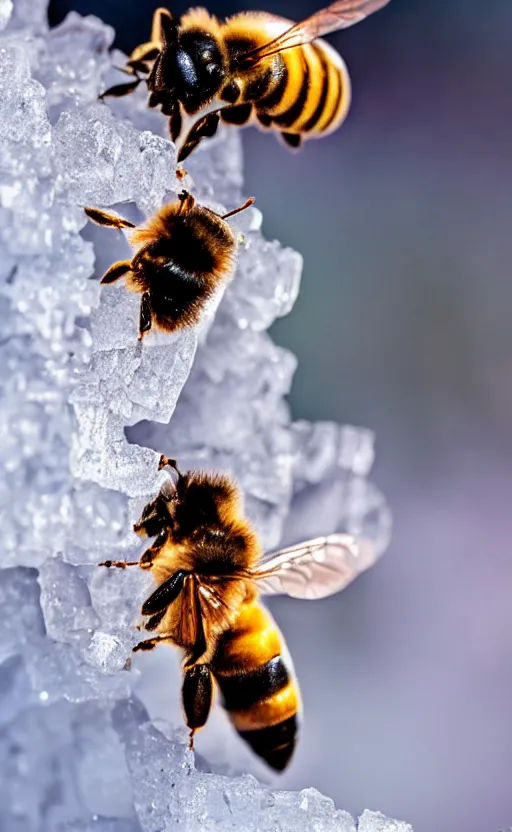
(85, 412)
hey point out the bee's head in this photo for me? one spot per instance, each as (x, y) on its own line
(191, 65)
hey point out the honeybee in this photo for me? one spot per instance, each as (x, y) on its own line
(210, 573)
(254, 67)
(182, 255)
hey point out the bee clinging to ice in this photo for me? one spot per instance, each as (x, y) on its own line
(254, 67)
(210, 574)
(182, 255)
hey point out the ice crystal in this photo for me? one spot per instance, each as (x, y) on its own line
(86, 410)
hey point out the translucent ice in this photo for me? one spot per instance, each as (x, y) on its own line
(85, 412)
(5, 12)
(377, 822)
(169, 794)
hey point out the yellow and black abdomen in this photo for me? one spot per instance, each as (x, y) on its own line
(302, 92)
(258, 686)
(316, 97)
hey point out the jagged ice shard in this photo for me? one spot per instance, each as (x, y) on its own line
(85, 411)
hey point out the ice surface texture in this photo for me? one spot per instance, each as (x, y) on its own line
(84, 414)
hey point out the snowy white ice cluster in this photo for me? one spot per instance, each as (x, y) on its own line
(85, 411)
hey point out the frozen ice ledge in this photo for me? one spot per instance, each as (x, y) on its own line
(85, 411)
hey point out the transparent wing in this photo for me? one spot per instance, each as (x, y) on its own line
(316, 568)
(338, 15)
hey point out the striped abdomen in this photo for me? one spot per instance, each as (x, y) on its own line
(303, 91)
(258, 687)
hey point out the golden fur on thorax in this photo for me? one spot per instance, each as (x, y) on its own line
(200, 18)
(204, 227)
(208, 537)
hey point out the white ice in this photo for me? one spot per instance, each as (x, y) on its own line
(85, 411)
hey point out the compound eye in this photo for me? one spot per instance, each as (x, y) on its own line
(186, 68)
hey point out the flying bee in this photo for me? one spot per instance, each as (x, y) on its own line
(253, 68)
(210, 573)
(182, 255)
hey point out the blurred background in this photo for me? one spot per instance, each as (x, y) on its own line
(404, 218)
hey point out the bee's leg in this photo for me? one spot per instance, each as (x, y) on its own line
(150, 643)
(292, 140)
(239, 114)
(264, 120)
(165, 594)
(145, 320)
(196, 696)
(140, 67)
(154, 621)
(106, 218)
(119, 564)
(118, 90)
(205, 128)
(126, 70)
(175, 121)
(116, 271)
(137, 63)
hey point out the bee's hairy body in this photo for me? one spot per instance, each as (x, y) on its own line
(301, 93)
(203, 535)
(181, 257)
(207, 538)
(180, 260)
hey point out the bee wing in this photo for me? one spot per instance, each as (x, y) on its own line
(316, 568)
(338, 15)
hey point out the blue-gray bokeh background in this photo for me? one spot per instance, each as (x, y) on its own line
(403, 325)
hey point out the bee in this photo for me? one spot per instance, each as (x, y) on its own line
(210, 574)
(182, 255)
(253, 68)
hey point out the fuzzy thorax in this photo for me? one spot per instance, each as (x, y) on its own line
(198, 242)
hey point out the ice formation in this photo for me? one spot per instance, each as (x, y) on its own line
(84, 414)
